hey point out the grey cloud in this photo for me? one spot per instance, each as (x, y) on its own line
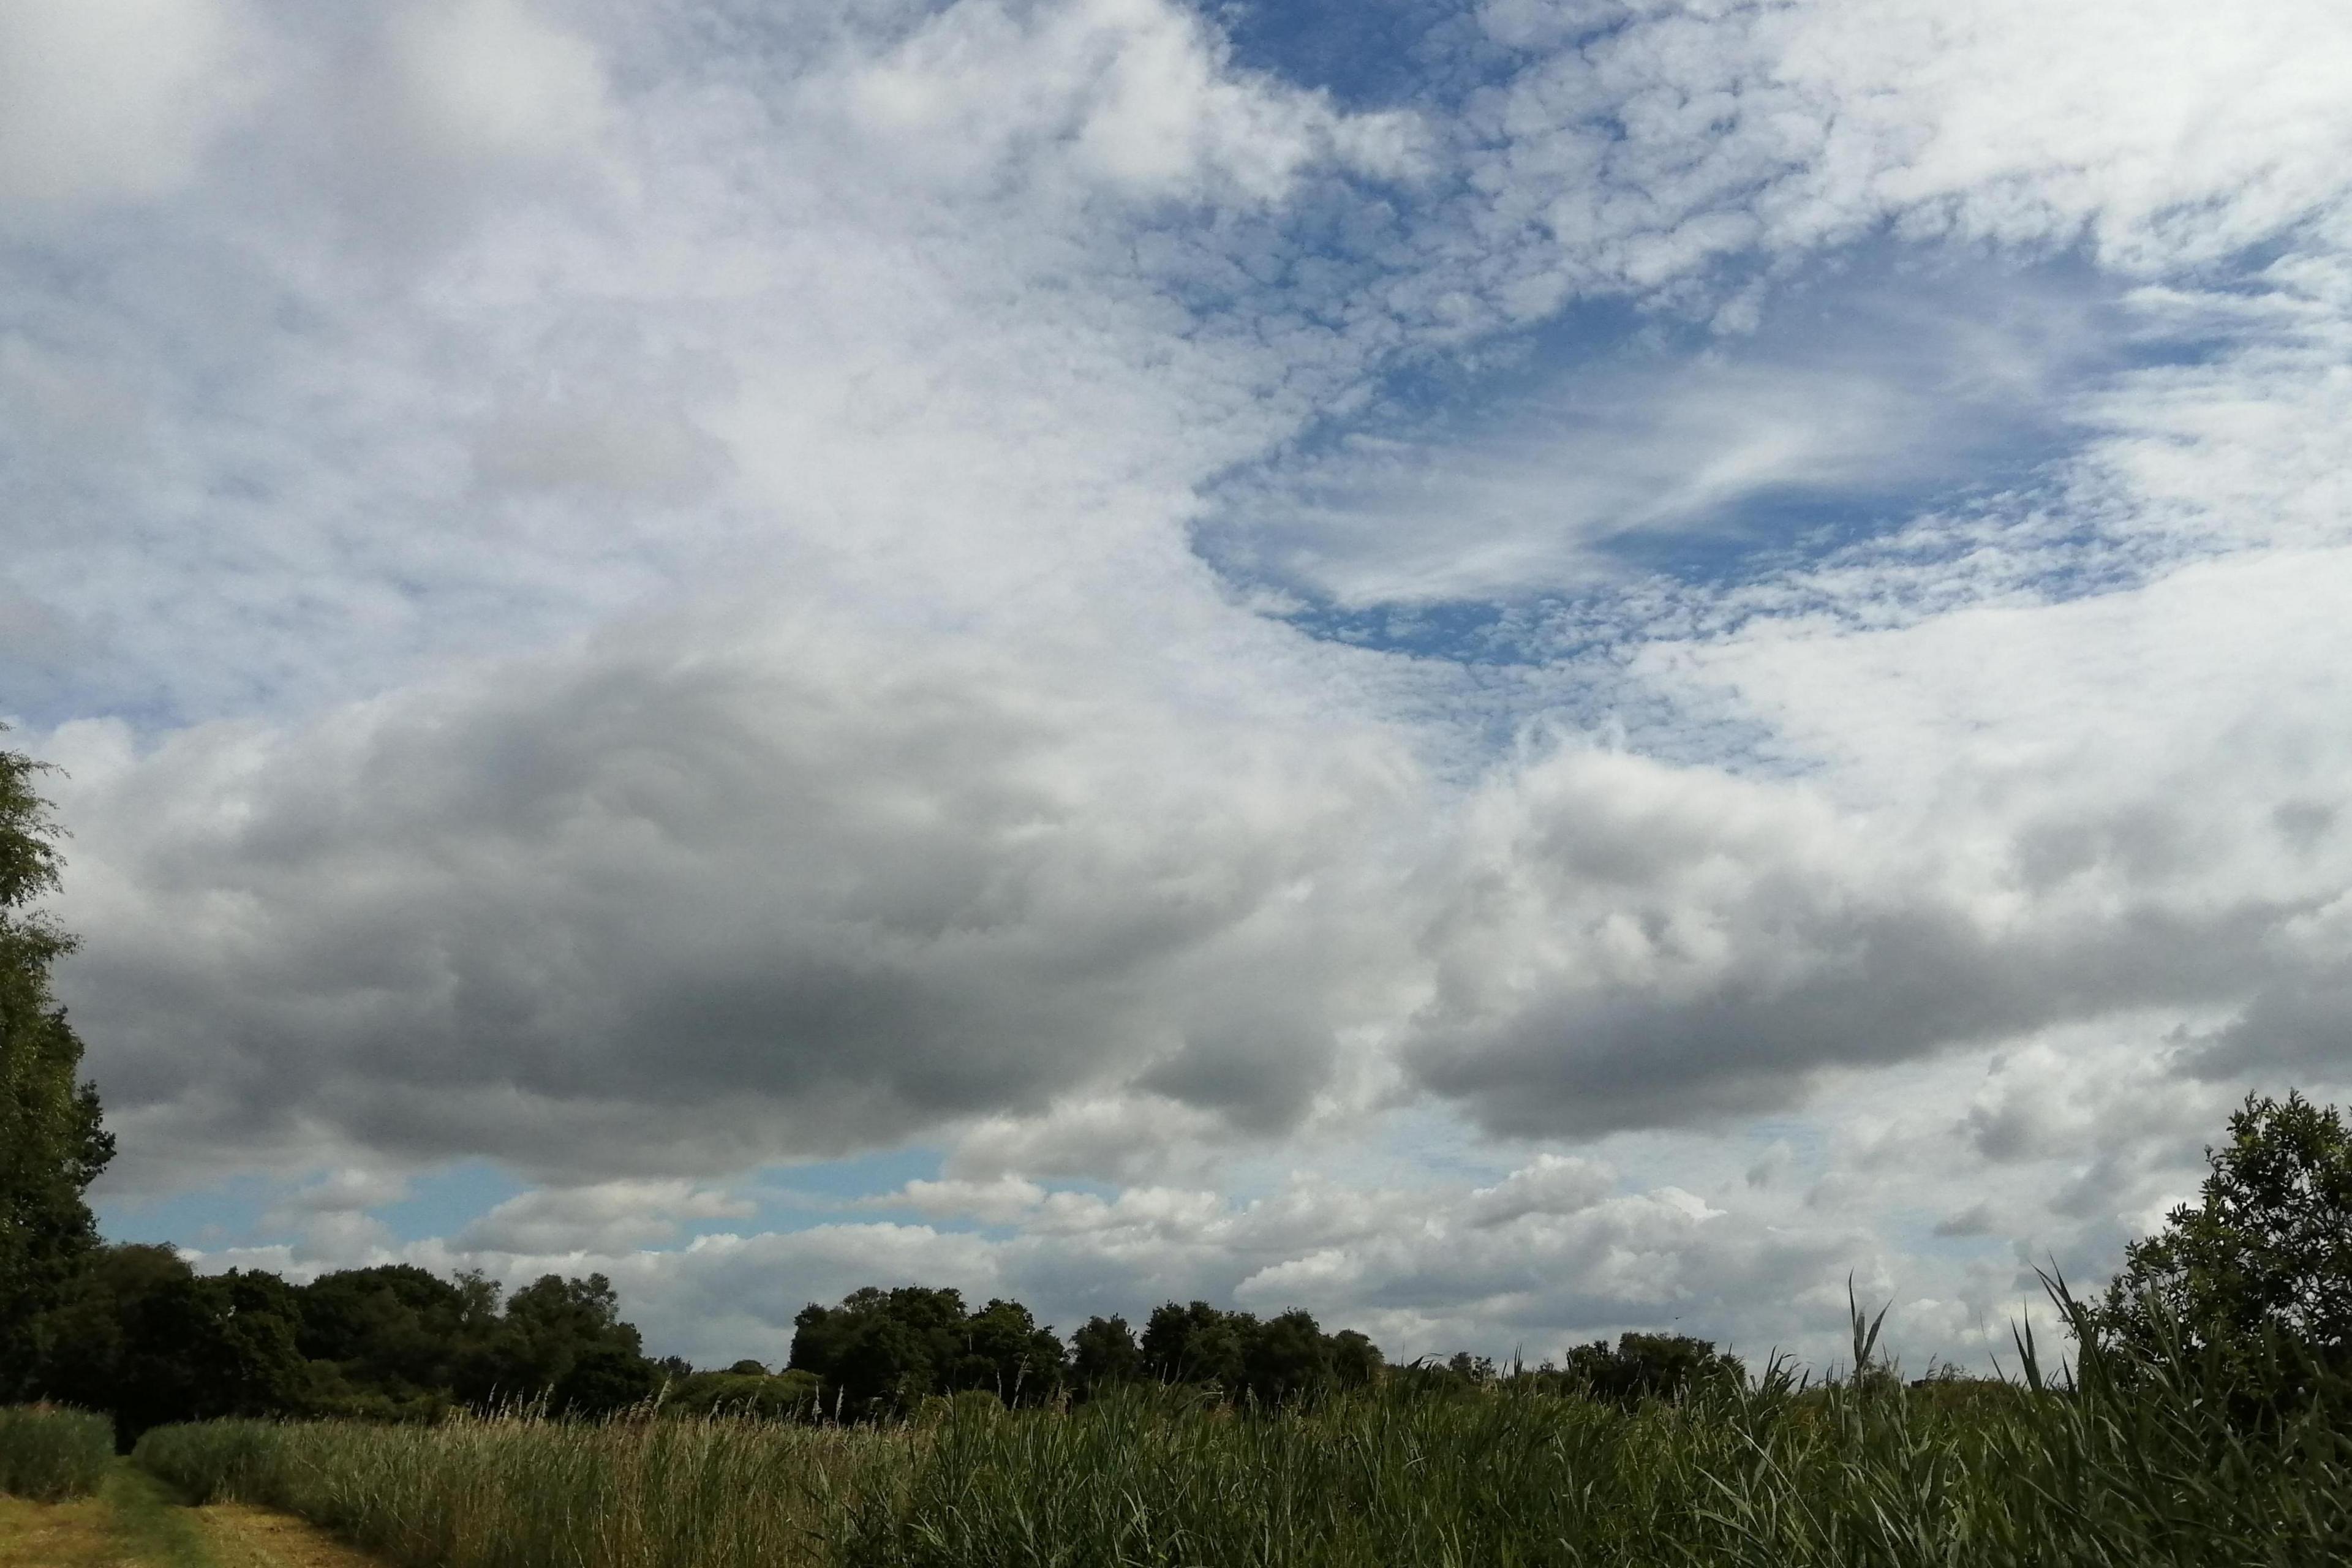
(1628, 944)
(2296, 1023)
(112, 101)
(1975, 1220)
(1873, 986)
(707, 892)
(639, 453)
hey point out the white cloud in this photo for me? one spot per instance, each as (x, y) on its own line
(113, 99)
(493, 76)
(1675, 137)
(605, 1219)
(1137, 94)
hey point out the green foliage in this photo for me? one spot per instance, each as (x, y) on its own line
(49, 1455)
(1649, 1366)
(1273, 1361)
(1195, 1343)
(564, 1339)
(783, 1396)
(1355, 1362)
(1103, 1356)
(882, 1352)
(52, 1145)
(2253, 1281)
(141, 1335)
(397, 1341)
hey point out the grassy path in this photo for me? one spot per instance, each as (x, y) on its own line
(135, 1522)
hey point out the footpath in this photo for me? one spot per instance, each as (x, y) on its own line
(135, 1522)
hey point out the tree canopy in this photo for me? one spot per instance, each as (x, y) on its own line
(52, 1143)
(2259, 1267)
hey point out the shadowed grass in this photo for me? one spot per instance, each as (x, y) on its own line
(523, 1494)
(49, 1455)
(147, 1520)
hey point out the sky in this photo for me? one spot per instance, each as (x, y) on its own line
(1508, 669)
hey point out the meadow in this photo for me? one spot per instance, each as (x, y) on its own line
(2143, 1469)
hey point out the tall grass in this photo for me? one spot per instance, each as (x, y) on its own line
(520, 1493)
(49, 1455)
(2138, 1465)
(1864, 1472)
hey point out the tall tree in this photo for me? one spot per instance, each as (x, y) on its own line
(2262, 1262)
(52, 1145)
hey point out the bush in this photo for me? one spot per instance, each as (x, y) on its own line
(48, 1455)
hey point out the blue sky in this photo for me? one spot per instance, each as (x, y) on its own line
(1508, 669)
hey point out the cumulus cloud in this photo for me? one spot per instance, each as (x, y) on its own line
(1635, 940)
(716, 891)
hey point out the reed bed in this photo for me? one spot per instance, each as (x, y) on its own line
(524, 1493)
(48, 1454)
(1864, 1472)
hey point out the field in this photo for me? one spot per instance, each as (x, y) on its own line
(1862, 1473)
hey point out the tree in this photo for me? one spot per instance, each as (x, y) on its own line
(394, 1341)
(1355, 1362)
(52, 1145)
(564, 1339)
(879, 1352)
(2261, 1265)
(1198, 1344)
(1649, 1366)
(1103, 1356)
(140, 1335)
(1005, 1352)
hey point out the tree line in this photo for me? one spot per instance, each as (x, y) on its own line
(136, 1332)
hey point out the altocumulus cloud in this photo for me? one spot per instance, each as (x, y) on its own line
(643, 594)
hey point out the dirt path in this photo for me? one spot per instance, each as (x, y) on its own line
(134, 1523)
(59, 1535)
(240, 1536)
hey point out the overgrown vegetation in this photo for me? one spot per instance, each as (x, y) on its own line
(2132, 1462)
(49, 1455)
(478, 1492)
